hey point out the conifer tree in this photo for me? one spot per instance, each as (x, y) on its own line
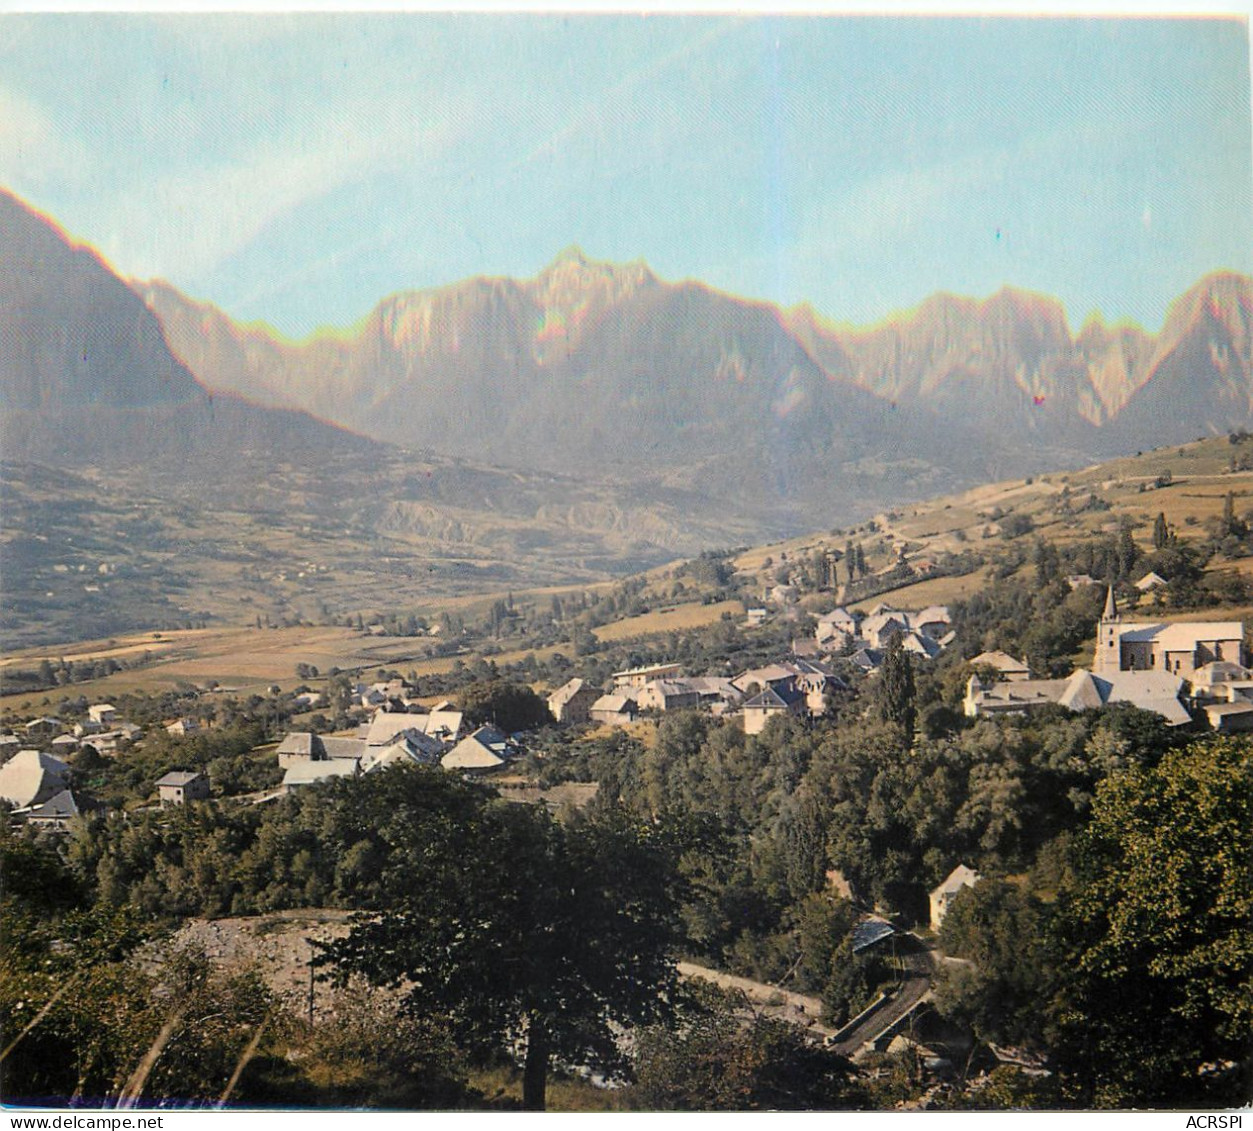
(1161, 532)
(896, 694)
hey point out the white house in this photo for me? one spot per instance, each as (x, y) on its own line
(960, 877)
(102, 714)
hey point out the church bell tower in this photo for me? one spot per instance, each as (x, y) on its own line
(1108, 657)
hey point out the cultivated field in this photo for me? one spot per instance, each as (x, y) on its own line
(671, 618)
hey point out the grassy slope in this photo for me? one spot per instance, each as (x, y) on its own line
(1200, 481)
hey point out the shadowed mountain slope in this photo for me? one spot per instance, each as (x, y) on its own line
(86, 374)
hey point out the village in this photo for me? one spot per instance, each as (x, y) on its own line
(1190, 674)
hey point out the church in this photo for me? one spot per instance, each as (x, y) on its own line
(1181, 649)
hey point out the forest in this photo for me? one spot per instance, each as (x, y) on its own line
(1109, 940)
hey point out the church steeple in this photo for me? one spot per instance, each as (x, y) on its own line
(1108, 654)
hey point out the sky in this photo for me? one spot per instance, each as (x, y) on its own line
(295, 168)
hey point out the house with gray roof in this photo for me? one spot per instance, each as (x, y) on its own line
(572, 701)
(770, 703)
(409, 747)
(386, 726)
(1005, 665)
(836, 628)
(1082, 690)
(613, 710)
(755, 680)
(486, 749)
(305, 746)
(1181, 648)
(443, 722)
(1230, 718)
(180, 786)
(104, 715)
(310, 772)
(55, 814)
(637, 677)
(666, 695)
(45, 727)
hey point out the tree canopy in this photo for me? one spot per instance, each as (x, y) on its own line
(518, 929)
(1155, 934)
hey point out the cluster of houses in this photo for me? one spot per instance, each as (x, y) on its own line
(801, 685)
(797, 687)
(1175, 670)
(1152, 665)
(34, 776)
(401, 730)
(102, 729)
(864, 639)
(36, 781)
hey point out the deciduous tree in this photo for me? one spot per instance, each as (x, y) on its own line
(515, 928)
(1157, 1004)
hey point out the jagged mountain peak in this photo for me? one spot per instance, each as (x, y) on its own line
(572, 253)
(1019, 307)
(1225, 298)
(87, 374)
(74, 333)
(573, 278)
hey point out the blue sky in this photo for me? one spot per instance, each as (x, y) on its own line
(296, 168)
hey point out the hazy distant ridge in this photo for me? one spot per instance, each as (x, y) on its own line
(592, 365)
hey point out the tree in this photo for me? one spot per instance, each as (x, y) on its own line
(1000, 930)
(1155, 939)
(1047, 562)
(1128, 553)
(717, 1060)
(515, 928)
(510, 706)
(1161, 532)
(894, 693)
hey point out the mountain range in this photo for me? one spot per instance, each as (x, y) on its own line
(597, 371)
(769, 420)
(594, 368)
